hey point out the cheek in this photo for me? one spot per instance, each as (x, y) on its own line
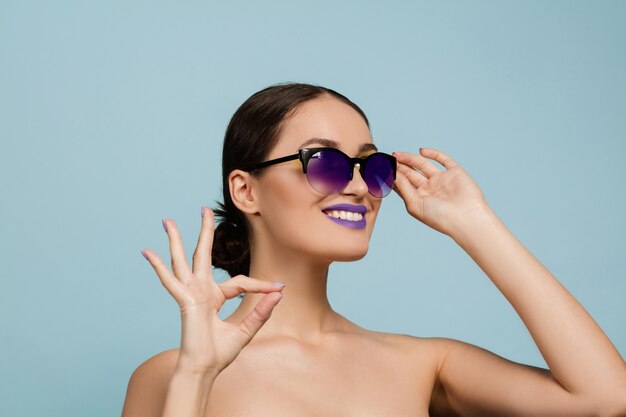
(292, 215)
(288, 207)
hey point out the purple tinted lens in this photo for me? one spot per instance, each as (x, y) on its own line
(379, 175)
(328, 172)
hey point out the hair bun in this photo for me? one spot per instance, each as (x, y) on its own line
(231, 249)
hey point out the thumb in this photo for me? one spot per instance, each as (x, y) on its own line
(251, 324)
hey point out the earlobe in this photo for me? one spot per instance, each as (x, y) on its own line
(241, 184)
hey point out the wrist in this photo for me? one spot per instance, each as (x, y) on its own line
(186, 368)
(473, 223)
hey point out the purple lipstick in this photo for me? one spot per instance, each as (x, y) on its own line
(353, 224)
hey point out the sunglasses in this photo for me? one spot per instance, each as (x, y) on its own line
(329, 170)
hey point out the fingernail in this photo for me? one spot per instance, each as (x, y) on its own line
(202, 212)
(144, 255)
(278, 284)
(164, 225)
(421, 149)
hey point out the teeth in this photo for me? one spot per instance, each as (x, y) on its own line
(345, 215)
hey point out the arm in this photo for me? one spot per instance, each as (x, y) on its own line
(188, 393)
(587, 375)
(161, 388)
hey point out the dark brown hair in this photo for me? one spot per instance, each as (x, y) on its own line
(250, 136)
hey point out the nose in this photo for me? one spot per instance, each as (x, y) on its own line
(357, 185)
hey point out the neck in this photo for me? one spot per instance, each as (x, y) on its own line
(304, 312)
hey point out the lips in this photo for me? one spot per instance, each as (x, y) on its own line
(347, 207)
(352, 224)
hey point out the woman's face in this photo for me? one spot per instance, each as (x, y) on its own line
(291, 210)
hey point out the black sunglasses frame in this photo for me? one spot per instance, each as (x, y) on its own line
(305, 154)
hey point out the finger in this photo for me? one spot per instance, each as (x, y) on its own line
(417, 161)
(442, 158)
(403, 186)
(415, 177)
(177, 251)
(251, 324)
(169, 281)
(239, 284)
(201, 259)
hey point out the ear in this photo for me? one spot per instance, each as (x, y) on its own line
(242, 191)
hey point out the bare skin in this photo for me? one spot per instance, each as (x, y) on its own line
(307, 360)
(361, 374)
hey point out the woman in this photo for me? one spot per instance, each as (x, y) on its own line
(282, 225)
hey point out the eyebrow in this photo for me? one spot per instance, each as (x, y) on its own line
(332, 144)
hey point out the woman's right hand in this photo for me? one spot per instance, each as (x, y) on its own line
(208, 344)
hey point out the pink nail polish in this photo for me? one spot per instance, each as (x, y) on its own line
(144, 255)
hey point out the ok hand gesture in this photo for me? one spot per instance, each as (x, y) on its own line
(208, 344)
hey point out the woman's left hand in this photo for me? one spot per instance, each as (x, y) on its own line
(441, 199)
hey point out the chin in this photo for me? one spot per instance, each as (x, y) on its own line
(349, 254)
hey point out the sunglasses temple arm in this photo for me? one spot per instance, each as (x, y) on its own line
(271, 162)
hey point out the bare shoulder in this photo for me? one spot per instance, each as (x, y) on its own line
(433, 347)
(161, 363)
(426, 353)
(422, 358)
(148, 385)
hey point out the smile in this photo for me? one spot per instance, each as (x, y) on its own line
(346, 218)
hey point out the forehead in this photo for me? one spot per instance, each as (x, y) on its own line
(324, 121)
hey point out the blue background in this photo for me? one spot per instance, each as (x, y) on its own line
(112, 116)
